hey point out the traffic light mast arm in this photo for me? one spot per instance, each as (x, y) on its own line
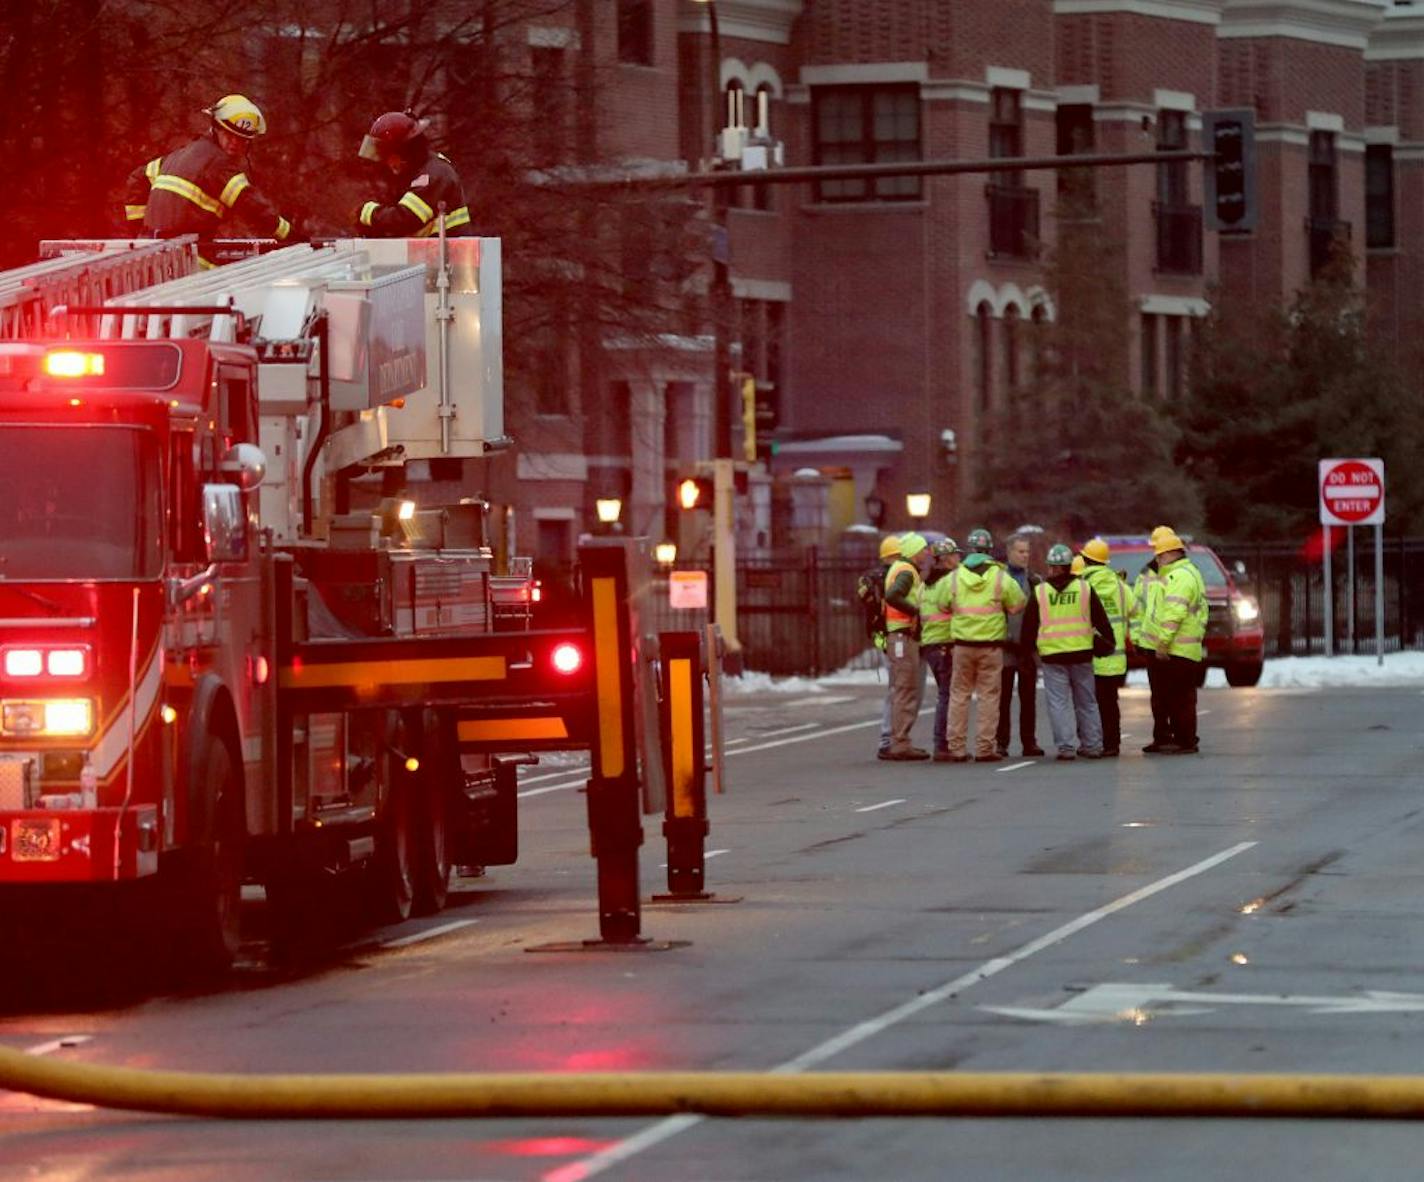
(849, 172)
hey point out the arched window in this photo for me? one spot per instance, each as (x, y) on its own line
(1038, 330)
(735, 107)
(1012, 344)
(984, 356)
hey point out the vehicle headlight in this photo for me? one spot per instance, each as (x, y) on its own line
(1247, 610)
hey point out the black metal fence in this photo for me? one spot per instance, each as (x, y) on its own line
(799, 615)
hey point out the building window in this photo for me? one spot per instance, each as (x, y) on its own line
(1038, 331)
(867, 125)
(551, 93)
(984, 356)
(1076, 137)
(1326, 232)
(1149, 355)
(1012, 344)
(1174, 357)
(1172, 186)
(1006, 130)
(635, 32)
(1013, 209)
(1379, 196)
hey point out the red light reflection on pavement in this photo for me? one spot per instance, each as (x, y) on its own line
(548, 1146)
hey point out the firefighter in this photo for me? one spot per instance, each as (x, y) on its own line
(1067, 626)
(424, 183)
(937, 635)
(1179, 630)
(1019, 666)
(1110, 672)
(902, 648)
(202, 187)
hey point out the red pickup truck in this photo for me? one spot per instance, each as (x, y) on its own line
(1235, 640)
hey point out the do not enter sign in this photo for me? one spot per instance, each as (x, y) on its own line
(1351, 492)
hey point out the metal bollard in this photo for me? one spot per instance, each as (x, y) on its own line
(684, 762)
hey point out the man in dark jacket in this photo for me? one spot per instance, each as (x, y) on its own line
(202, 187)
(1019, 665)
(425, 183)
(1065, 625)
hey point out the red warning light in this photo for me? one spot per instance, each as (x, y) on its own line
(567, 658)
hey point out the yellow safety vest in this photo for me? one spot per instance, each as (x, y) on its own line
(1065, 618)
(1118, 602)
(978, 608)
(895, 619)
(1180, 618)
(936, 618)
(1144, 592)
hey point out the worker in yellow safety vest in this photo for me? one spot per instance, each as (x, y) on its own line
(902, 647)
(1178, 629)
(937, 634)
(203, 188)
(1067, 625)
(981, 596)
(1110, 672)
(1145, 589)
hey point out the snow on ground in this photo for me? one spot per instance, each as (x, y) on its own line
(1399, 669)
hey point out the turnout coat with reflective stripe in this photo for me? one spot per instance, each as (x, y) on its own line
(413, 213)
(198, 189)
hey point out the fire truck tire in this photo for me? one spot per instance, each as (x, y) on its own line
(206, 898)
(440, 777)
(1244, 673)
(393, 870)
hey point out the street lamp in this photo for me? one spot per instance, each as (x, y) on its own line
(665, 553)
(917, 504)
(608, 509)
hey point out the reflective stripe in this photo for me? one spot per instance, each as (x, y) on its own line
(204, 265)
(895, 619)
(461, 217)
(1064, 627)
(150, 169)
(1176, 599)
(233, 189)
(134, 213)
(284, 228)
(936, 617)
(188, 191)
(418, 207)
(978, 609)
(368, 211)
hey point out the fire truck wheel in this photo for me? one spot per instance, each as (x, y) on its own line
(207, 898)
(439, 780)
(392, 877)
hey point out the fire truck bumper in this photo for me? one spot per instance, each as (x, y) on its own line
(78, 845)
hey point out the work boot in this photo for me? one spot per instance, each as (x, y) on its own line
(1086, 754)
(1065, 757)
(1192, 750)
(1161, 749)
(1033, 751)
(907, 754)
(1111, 752)
(997, 757)
(882, 753)
(1002, 750)
(959, 758)
(943, 755)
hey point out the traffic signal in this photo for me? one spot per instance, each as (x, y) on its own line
(1230, 137)
(749, 418)
(695, 492)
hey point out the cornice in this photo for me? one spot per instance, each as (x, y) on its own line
(750, 20)
(1201, 12)
(1346, 24)
(1399, 37)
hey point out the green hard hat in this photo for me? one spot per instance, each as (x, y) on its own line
(981, 539)
(944, 547)
(911, 544)
(1059, 555)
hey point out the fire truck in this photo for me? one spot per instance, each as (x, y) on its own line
(239, 640)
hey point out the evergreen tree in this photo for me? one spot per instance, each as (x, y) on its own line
(1075, 449)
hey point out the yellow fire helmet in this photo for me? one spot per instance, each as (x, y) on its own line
(1164, 542)
(1158, 531)
(238, 114)
(1095, 549)
(889, 547)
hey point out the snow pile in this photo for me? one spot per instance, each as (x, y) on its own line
(1322, 672)
(754, 682)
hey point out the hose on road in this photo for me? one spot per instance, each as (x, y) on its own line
(851, 1094)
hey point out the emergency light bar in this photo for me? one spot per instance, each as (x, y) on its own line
(70, 363)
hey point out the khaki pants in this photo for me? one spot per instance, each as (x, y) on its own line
(977, 673)
(903, 652)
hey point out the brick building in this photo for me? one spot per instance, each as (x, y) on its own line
(883, 319)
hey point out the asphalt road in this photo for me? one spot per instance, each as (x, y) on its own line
(893, 916)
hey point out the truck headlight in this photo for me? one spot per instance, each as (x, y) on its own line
(1247, 611)
(56, 716)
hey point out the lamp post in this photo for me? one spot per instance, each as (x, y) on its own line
(609, 509)
(917, 505)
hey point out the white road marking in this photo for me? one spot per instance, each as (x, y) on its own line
(582, 767)
(663, 1130)
(884, 804)
(552, 788)
(1013, 767)
(822, 701)
(59, 1044)
(708, 854)
(783, 730)
(734, 742)
(429, 933)
(1202, 713)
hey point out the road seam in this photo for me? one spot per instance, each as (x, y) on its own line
(663, 1130)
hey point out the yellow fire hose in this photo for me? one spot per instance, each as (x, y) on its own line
(855, 1094)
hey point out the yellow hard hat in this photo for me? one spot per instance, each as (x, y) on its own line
(1077, 565)
(890, 546)
(1096, 549)
(1165, 541)
(911, 544)
(1158, 532)
(238, 114)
